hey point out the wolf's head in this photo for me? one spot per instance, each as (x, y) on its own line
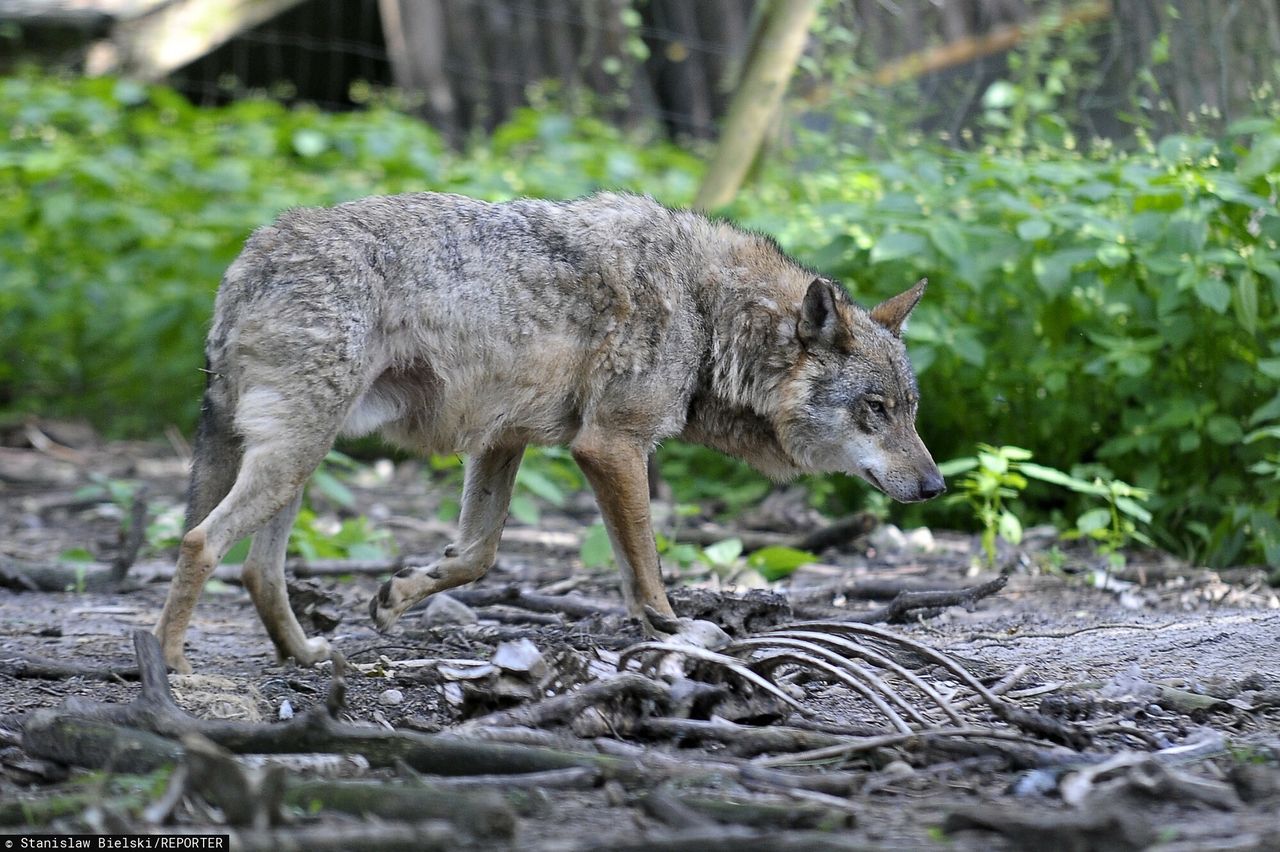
(852, 396)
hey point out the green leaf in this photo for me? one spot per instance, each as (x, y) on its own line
(993, 462)
(1246, 301)
(309, 143)
(999, 95)
(1267, 411)
(777, 562)
(75, 554)
(1093, 521)
(955, 467)
(540, 485)
(238, 552)
(525, 510)
(370, 550)
(1223, 429)
(449, 509)
(1030, 230)
(896, 245)
(333, 488)
(1010, 527)
(949, 240)
(1112, 255)
(1133, 509)
(596, 550)
(723, 554)
(1264, 157)
(1053, 476)
(1213, 293)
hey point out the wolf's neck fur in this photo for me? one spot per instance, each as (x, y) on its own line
(749, 296)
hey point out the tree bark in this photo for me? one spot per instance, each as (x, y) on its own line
(763, 84)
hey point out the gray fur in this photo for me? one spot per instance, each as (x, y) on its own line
(606, 323)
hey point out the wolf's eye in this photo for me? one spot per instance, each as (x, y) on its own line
(876, 406)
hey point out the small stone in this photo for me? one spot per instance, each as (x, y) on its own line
(920, 540)
(391, 698)
(887, 539)
(507, 688)
(897, 769)
(520, 657)
(444, 611)
(702, 634)
(286, 711)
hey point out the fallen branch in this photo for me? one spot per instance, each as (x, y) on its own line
(1111, 827)
(574, 606)
(906, 602)
(24, 576)
(485, 813)
(867, 588)
(574, 778)
(41, 810)
(42, 668)
(106, 729)
(860, 745)
(815, 541)
(564, 708)
(837, 533)
(741, 740)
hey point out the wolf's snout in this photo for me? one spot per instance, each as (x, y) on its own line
(932, 485)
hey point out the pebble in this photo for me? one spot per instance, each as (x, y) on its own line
(391, 697)
(444, 611)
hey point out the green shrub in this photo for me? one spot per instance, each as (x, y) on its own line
(123, 205)
(1108, 308)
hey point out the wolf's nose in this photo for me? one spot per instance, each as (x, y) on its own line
(931, 486)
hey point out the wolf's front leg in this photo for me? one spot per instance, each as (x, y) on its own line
(618, 473)
(486, 497)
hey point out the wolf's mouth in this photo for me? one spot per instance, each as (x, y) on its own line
(873, 479)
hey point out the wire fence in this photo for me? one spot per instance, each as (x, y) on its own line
(464, 65)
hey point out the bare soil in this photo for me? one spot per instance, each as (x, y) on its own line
(1164, 656)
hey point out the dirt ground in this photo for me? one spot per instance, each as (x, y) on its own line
(1173, 672)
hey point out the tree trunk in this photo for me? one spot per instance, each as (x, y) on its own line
(764, 81)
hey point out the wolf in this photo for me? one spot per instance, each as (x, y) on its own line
(447, 324)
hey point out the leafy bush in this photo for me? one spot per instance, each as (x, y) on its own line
(1111, 310)
(125, 204)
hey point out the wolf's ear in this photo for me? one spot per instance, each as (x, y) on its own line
(819, 322)
(893, 313)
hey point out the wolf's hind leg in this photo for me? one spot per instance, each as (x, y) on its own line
(270, 477)
(486, 496)
(263, 575)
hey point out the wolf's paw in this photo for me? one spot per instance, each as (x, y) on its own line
(392, 600)
(178, 664)
(313, 651)
(174, 658)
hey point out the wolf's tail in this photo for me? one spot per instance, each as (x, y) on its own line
(216, 454)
